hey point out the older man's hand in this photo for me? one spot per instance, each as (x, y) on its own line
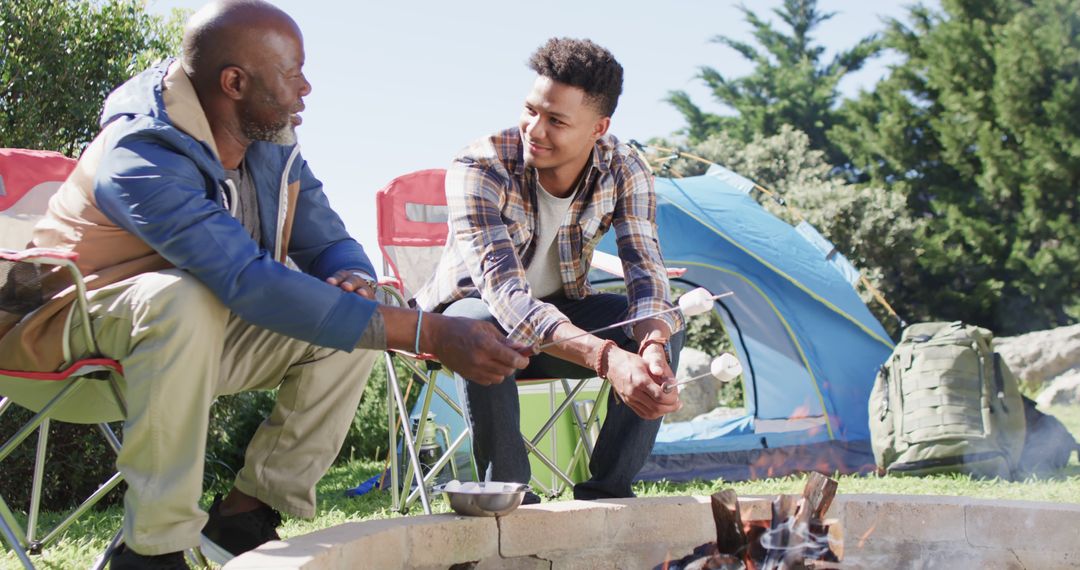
(354, 281)
(476, 350)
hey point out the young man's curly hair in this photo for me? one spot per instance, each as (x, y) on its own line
(582, 64)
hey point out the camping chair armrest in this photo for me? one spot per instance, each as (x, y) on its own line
(38, 255)
(389, 292)
(65, 259)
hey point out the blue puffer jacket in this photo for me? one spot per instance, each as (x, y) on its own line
(160, 179)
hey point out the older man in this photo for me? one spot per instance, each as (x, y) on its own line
(183, 211)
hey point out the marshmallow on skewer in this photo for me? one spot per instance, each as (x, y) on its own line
(696, 302)
(724, 368)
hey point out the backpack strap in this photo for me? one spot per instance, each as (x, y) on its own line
(999, 382)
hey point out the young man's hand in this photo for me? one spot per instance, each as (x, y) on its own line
(656, 358)
(476, 350)
(634, 382)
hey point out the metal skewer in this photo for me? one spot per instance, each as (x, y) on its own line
(628, 321)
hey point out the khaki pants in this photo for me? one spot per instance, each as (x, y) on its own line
(181, 348)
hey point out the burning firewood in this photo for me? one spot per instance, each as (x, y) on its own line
(796, 538)
(730, 537)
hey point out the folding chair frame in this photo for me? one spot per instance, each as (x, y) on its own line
(24, 541)
(583, 425)
(398, 418)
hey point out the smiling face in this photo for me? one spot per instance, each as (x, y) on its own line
(270, 109)
(559, 126)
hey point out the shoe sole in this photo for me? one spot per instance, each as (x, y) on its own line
(213, 552)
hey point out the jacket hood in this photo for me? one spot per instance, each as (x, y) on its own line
(162, 103)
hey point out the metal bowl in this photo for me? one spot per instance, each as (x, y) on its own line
(489, 499)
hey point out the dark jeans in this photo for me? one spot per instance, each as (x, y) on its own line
(625, 440)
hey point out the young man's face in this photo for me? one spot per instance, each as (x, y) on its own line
(559, 126)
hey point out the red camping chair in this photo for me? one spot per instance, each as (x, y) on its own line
(412, 231)
(86, 389)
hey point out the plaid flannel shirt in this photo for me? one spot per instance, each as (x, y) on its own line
(491, 198)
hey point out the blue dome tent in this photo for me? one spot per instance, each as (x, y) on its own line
(808, 345)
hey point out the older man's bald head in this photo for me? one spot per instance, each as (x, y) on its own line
(245, 59)
(231, 32)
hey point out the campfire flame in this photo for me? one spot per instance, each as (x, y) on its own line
(866, 535)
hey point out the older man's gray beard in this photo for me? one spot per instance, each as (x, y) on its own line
(285, 135)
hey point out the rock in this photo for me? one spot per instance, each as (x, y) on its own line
(1038, 357)
(697, 397)
(1063, 390)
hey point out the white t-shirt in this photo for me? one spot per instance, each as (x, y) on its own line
(543, 271)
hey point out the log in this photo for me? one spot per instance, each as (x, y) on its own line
(730, 538)
(716, 562)
(819, 494)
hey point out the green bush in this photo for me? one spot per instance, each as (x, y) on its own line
(61, 58)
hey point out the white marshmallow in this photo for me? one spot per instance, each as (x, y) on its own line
(725, 367)
(696, 302)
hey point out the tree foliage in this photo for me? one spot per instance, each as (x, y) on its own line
(979, 130)
(60, 58)
(790, 84)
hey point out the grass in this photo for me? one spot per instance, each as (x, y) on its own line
(87, 538)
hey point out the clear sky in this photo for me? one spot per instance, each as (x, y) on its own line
(402, 86)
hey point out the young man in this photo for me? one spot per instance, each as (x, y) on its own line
(527, 208)
(183, 211)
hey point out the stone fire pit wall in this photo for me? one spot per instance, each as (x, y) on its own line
(880, 531)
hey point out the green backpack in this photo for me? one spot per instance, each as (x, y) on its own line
(945, 402)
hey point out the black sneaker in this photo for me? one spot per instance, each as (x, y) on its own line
(225, 537)
(124, 558)
(530, 498)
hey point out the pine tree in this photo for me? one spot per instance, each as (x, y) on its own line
(979, 128)
(789, 85)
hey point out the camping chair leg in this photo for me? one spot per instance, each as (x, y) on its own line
(414, 459)
(554, 448)
(445, 432)
(586, 438)
(449, 401)
(532, 444)
(35, 421)
(391, 414)
(106, 556)
(110, 437)
(118, 395)
(13, 536)
(82, 508)
(542, 488)
(556, 415)
(548, 462)
(440, 465)
(414, 463)
(35, 487)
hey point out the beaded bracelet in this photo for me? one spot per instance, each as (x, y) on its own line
(601, 363)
